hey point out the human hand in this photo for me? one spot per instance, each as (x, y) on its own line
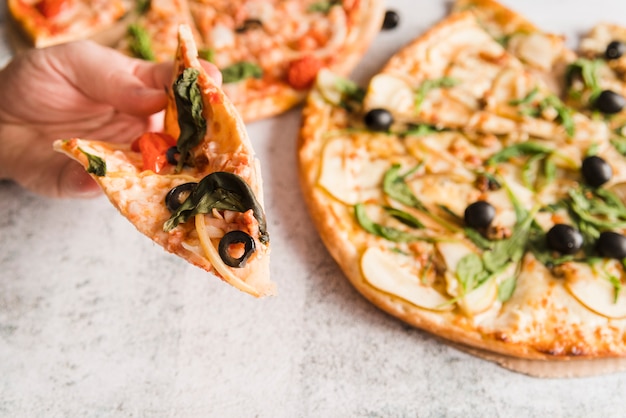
(79, 89)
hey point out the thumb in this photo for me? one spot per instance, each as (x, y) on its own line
(107, 76)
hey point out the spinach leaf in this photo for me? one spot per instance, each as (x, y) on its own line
(189, 106)
(139, 43)
(222, 191)
(404, 217)
(470, 272)
(506, 289)
(97, 166)
(241, 71)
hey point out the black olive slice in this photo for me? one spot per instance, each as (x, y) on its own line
(612, 245)
(479, 214)
(614, 50)
(236, 237)
(609, 102)
(172, 155)
(564, 238)
(249, 24)
(379, 120)
(178, 195)
(596, 171)
(391, 20)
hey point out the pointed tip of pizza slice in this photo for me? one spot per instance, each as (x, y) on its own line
(207, 208)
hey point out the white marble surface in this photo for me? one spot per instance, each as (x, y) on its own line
(96, 321)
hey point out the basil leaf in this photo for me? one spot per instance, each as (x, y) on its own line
(222, 191)
(506, 289)
(189, 106)
(97, 166)
(241, 71)
(139, 43)
(429, 85)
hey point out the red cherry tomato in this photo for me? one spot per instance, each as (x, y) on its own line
(302, 72)
(51, 8)
(153, 147)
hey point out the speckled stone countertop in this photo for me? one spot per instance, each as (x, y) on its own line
(97, 321)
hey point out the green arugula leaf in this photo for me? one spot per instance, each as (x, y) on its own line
(386, 232)
(588, 71)
(97, 166)
(429, 85)
(351, 93)
(189, 106)
(529, 98)
(518, 150)
(617, 286)
(241, 71)
(421, 130)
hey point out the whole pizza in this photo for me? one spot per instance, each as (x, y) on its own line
(476, 187)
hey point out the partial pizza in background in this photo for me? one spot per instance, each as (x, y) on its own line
(51, 22)
(474, 188)
(195, 189)
(269, 52)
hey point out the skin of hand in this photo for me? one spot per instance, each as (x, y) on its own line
(79, 89)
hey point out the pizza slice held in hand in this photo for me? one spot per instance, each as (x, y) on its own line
(196, 188)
